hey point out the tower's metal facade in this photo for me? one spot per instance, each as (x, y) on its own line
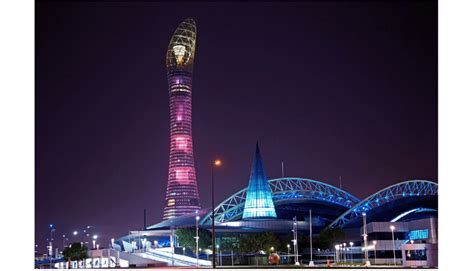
(182, 196)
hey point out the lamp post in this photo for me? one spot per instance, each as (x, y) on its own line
(296, 243)
(351, 244)
(341, 254)
(216, 163)
(172, 245)
(336, 256)
(375, 252)
(197, 241)
(366, 252)
(64, 241)
(311, 263)
(51, 230)
(86, 234)
(218, 258)
(50, 252)
(94, 238)
(392, 228)
(232, 254)
(344, 252)
(288, 247)
(295, 240)
(74, 233)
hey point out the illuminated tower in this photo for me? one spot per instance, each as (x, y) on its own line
(258, 201)
(182, 196)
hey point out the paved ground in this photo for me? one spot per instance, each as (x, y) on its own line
(256, 267)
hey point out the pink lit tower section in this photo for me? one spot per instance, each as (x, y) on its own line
(182, 196)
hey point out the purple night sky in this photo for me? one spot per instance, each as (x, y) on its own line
(333, 89)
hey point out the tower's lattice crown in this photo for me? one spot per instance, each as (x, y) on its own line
(180, 54)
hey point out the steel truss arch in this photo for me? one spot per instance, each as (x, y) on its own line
(284, 190)
(412, 188)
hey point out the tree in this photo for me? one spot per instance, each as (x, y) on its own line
(329, 237)
(252, 243)
(186, 238)
(229, 241)
(75, 252)
(303, 241)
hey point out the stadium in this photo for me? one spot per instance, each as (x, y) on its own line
(285, 203)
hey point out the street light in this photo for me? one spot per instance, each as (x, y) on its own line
(375, 252)
(392, 228)
(197, 241)
(366, 252)
(112, 241)
(311, 263)
(288, 247)
(85, 233)
(64, 241)
(94, 238)
(51, 230)
(216, 163)
(232, 253)
(351, 244)
(295, 240)
(344, 252)
(336, 258)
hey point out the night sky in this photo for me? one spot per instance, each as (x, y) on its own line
(333, 89)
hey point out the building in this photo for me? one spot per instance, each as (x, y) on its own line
(414, 242)
(182, 196)
(409, 206)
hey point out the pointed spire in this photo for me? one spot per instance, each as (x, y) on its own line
(258, 201)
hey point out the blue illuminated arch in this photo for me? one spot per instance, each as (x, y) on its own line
(413, 188)
(284, 190)
(416, 210)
